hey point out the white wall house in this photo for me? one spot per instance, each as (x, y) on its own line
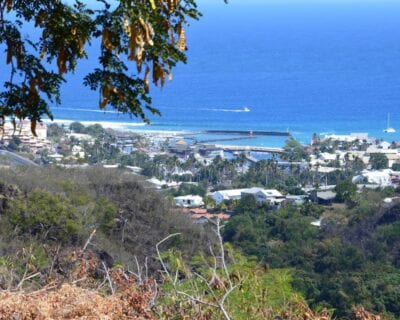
(233, 194)
(381, 178)
(261, 195)
(264, 195)
(189, 201)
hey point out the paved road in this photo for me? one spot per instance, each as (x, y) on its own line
(17, 158)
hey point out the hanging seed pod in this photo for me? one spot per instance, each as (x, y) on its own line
(171, 4)
(132, 42)
(9, 5)
(107, 39)
(158, 74)
(81, 46)
(152, 4)
(182, 38)
(62, 61)
(146, 32)
(126, 26)
(43, 52)
(146, 80)
(44, 47)
(106, 94)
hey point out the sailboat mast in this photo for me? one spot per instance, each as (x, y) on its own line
(389, 129)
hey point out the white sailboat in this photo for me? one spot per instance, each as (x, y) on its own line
(389, 129)
(245, 109)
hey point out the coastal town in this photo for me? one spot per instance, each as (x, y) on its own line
(207, 180)
(198, 159)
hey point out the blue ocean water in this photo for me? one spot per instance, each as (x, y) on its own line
(303, 66)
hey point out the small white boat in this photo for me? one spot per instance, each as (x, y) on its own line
(389, 129)
(245, 109)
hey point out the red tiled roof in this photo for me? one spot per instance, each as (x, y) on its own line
(198, 211)
(221, 216)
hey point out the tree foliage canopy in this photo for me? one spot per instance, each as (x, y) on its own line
(139, 41)
(333, 265)
(378, 161)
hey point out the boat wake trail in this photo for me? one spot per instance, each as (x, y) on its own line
(245, 109)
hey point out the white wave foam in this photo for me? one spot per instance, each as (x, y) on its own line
(104, 124)
(90, 110)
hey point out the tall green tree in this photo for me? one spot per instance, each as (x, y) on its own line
(378, 161)
(294, 151)
(345, 191)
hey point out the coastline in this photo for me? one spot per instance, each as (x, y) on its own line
(224, 137)
(217, 136)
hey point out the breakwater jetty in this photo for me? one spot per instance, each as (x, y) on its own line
(248, 149)
(250, 133)
(226, 139)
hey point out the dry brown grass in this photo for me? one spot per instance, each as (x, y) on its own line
(87, 297)
(72, 302)
(82, 295)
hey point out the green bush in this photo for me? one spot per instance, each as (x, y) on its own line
(46, 215)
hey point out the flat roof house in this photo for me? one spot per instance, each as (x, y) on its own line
(264, 195)
(189, 201)
(233, 194)
(261, 195)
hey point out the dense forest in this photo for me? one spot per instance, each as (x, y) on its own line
(351, 259)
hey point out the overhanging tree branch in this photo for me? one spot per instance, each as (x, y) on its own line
(148, 35)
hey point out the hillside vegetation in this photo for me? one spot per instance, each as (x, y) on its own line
(75, 241)
(352, 259)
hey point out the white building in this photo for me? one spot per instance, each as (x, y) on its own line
(265, 195)
(381, 178)
(159, 184)
(348, 137)
(24, 132)
(233, 194)
(56, 156)
(326, 157)
(261, 195)
(189, 201)
(77, 151)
